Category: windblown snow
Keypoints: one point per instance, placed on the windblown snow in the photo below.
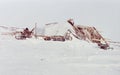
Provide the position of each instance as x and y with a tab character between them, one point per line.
39	57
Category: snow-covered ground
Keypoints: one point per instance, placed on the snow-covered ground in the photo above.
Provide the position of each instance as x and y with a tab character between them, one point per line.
39	57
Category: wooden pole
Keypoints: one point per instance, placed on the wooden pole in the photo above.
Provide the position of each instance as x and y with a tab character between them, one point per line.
101	37
35	30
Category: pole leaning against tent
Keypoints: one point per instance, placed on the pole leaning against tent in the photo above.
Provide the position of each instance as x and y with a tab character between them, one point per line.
72	24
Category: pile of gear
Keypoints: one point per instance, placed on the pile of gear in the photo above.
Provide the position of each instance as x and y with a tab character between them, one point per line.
26	33
89	34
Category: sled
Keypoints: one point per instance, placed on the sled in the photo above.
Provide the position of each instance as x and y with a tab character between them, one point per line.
19	36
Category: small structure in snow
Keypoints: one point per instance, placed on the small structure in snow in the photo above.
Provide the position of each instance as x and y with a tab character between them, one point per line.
89	34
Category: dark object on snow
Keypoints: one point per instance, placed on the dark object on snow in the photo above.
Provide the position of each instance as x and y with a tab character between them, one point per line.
26	33
47	38
20	36
103	46
58	38
54	38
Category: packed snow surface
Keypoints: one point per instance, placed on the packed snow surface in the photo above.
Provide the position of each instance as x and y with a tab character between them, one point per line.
39	57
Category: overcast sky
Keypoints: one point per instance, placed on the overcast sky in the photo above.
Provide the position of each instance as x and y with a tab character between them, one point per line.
103	14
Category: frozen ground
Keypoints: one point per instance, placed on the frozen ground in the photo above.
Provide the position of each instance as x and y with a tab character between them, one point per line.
39	57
